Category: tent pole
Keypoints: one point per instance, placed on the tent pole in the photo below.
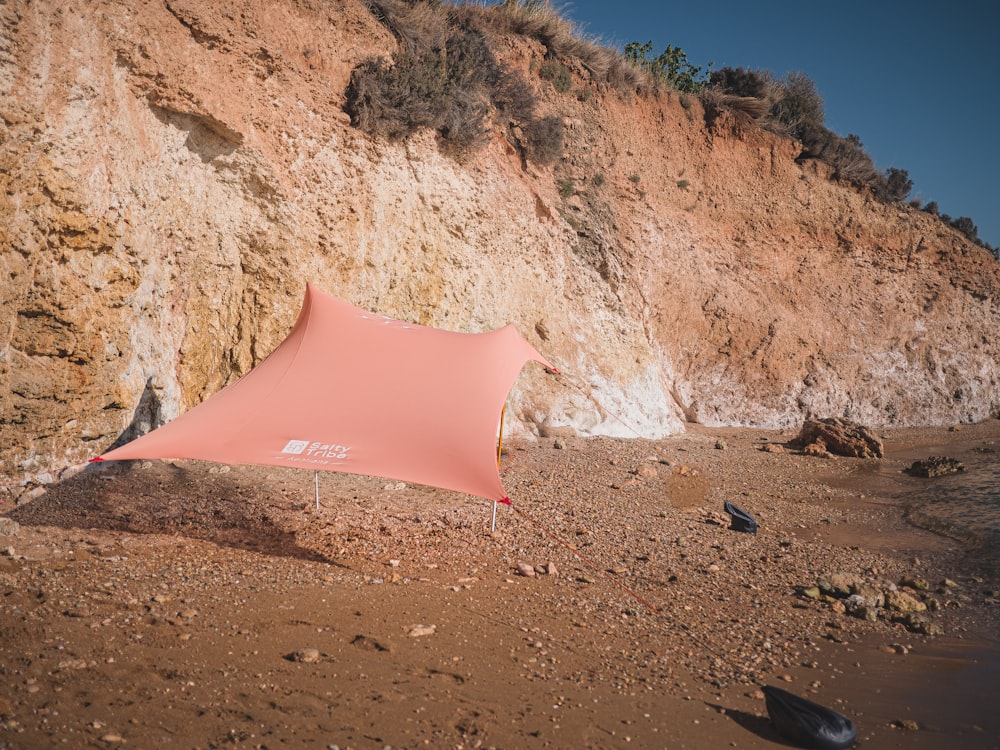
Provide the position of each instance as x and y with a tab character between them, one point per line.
493	523
316	482
500	437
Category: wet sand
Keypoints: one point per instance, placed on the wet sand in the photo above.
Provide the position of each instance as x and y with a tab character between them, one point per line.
184	604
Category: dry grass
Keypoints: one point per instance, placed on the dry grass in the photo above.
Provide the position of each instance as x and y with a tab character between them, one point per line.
747	109
445	76
544	22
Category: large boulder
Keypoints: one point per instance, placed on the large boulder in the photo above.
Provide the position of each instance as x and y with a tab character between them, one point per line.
840	437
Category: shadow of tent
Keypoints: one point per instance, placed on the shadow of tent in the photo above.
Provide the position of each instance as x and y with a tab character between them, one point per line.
146	417
758	725
163	498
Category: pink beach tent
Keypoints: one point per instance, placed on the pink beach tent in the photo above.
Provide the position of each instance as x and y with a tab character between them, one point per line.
355	392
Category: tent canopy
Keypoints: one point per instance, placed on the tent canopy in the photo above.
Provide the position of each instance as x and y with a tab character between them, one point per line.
356	392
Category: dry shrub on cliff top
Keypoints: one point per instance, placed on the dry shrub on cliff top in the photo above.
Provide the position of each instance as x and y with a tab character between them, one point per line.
418	26
746	109
609	66
542	21
536	19
444	76
846	155
740	82
792	106
797	106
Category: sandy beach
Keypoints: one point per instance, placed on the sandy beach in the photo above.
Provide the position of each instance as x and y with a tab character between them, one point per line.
191	605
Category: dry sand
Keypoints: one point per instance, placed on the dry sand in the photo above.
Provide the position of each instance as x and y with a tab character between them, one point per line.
188	605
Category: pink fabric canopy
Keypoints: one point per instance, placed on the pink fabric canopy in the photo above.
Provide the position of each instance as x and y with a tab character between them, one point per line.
356	392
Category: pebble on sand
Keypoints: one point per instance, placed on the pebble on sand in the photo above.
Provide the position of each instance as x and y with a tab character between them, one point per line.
305	655
418	631
525	569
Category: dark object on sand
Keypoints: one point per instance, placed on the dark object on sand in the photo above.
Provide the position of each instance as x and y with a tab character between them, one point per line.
742	521
808	724
935	466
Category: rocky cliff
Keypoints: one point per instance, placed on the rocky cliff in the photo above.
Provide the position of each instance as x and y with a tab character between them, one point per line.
174	171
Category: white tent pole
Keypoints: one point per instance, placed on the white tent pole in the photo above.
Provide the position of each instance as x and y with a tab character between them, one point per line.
493	525
316	481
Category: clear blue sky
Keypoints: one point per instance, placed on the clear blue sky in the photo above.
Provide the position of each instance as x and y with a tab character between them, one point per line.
917	81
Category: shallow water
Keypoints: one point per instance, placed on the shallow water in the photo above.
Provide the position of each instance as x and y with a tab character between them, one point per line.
964	505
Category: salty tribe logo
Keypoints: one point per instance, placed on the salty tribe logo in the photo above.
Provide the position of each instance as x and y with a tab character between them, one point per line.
384	321
313	451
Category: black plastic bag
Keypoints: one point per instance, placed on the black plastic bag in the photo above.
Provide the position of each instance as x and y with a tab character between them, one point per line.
806	723
741	520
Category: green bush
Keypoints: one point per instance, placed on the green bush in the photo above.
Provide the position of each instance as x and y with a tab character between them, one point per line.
670	67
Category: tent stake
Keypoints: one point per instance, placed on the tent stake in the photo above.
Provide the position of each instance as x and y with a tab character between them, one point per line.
493	525
316	481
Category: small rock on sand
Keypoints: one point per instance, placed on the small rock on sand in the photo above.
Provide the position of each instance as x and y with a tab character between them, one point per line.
525	569
305	655
418	631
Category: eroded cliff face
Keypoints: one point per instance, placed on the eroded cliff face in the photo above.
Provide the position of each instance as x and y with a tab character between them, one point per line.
174	171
